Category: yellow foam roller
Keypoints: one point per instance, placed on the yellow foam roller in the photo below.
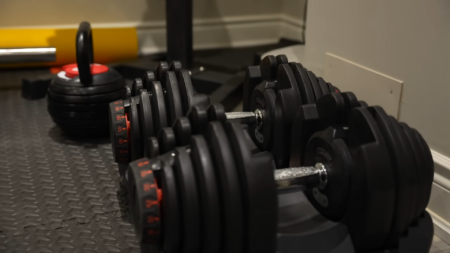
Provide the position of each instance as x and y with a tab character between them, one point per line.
110	44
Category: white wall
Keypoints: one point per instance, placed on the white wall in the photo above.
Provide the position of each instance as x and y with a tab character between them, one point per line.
294	8
57	12
406	40
217	23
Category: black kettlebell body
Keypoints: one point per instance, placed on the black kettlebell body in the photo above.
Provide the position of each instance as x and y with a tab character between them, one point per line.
79	95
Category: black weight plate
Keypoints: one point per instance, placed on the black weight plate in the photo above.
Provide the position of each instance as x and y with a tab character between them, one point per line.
151	147
160	72
210	207
198	118
182	131
258	192
144	201
304	85
200	99
287	103
305	124
372	191
323	86
268	67
148	79
145	117
404	200
229	188
126	103
428	171
263	99
251	80
158	107
350	102
420	164
363	104
412	167
87	90
282	59
136	87
77	107
336	89
189	96
332	109
170	210
216	112
188	195
175	66
172	98
186	90
333	89
166	140
323	147
118	132
79	122
102	98
77	115
126	92
315	85
330	87
425	149
135	134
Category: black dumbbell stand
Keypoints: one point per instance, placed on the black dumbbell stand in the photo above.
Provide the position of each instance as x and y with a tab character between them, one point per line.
303	229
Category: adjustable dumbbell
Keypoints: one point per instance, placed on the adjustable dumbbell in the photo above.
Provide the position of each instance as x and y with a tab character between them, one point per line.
162	101
78	96
148	105
275	83
263	130
348	173
400	161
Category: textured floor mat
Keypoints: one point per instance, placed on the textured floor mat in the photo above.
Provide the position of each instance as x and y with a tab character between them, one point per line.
57	194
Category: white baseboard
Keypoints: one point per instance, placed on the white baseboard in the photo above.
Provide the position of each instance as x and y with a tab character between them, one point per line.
225	32
292	28
441	227
439	204
442	165
239	31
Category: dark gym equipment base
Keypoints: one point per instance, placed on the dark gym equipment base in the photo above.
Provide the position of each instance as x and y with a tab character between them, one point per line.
58	194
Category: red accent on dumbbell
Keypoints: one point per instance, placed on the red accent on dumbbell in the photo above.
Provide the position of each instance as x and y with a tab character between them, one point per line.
128	129
72	69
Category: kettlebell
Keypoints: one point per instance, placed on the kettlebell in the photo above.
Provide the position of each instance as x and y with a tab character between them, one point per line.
79	95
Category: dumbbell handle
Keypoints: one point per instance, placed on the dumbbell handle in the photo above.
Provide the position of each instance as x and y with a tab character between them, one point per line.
308	177
240	115
250	117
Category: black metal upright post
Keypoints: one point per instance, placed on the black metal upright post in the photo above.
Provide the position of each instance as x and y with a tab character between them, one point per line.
179	31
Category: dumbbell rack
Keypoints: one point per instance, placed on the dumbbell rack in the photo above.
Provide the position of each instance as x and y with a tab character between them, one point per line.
59	194
318	234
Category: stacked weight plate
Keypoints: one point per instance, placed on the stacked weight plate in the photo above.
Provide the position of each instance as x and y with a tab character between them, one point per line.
169	95
278	88
218	175
83	109
151	104
203	167
215	194
390	167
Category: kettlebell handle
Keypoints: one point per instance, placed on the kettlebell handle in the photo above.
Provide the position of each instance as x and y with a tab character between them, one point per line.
85	53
